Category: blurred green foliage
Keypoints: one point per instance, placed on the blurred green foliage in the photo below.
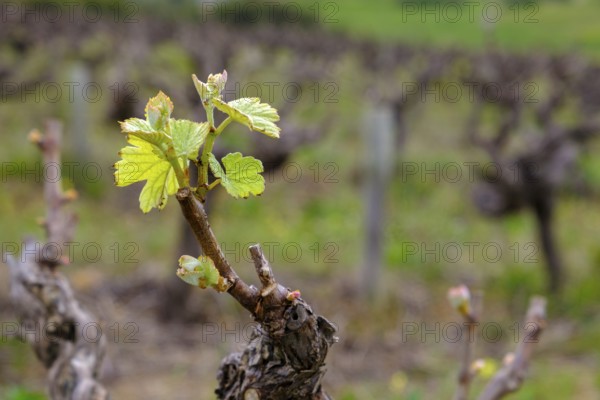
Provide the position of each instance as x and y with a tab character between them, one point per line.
19	393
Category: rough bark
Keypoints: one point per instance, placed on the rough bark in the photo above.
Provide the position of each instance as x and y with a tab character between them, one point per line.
45	302
285	357
64	339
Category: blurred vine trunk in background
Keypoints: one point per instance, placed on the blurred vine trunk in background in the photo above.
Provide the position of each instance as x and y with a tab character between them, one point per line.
43	298
544	212
379	132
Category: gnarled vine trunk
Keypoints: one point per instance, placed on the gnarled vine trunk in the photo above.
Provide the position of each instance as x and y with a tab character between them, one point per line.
45	302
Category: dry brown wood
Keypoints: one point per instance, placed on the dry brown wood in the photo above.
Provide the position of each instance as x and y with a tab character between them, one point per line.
285	357
511	376
45	302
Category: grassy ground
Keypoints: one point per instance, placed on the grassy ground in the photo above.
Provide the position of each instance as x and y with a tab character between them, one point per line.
554	26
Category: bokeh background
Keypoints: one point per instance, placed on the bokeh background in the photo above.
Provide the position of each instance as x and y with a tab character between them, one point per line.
392	114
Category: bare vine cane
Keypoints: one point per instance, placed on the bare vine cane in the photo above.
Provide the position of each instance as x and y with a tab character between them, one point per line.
511	376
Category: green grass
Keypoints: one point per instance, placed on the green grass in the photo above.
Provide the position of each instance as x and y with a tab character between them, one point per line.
19	393
550	26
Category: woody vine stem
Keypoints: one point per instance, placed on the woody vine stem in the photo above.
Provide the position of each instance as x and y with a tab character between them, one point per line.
291	340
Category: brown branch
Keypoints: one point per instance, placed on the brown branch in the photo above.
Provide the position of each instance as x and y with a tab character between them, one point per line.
45	302
510	119
466	374
247	296
194	213
511	376
263	270
59	223
285	357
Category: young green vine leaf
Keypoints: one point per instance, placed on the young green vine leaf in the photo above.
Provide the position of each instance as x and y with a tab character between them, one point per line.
140	162
249	111
160	146
188	136
241	177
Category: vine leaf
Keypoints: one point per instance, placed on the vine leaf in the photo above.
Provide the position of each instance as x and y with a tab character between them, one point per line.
199	272
187	137
140	162
249	111
143	130
241	177
160	146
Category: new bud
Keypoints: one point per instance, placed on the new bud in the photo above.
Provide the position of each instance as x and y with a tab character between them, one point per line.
508	359
293	295
213	87
35	136
460	299
477	366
